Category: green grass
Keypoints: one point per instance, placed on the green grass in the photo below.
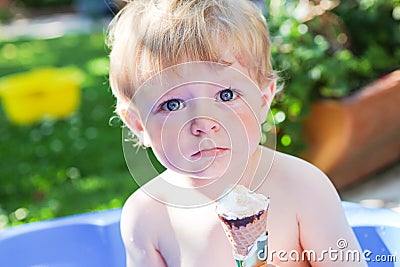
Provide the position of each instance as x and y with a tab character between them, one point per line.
69	166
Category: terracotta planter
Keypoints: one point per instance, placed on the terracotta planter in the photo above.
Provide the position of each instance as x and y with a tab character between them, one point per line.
356	136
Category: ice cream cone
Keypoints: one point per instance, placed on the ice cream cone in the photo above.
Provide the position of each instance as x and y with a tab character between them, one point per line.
243	215
242	233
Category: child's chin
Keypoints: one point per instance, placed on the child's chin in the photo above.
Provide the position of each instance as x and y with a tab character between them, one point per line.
203	175
211	172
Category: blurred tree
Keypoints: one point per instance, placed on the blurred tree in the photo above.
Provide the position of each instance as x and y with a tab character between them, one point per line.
43	3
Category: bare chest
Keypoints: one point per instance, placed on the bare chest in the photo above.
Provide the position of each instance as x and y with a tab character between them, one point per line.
201	240
200	237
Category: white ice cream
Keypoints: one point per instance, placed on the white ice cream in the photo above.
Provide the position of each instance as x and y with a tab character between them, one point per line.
240	202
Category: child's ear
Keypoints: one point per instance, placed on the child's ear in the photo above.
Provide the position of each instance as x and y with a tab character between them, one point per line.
132	119
268	92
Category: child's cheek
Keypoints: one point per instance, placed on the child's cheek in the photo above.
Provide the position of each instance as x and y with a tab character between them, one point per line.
249	121
165	133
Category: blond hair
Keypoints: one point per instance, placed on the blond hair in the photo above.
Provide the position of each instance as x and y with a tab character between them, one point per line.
147	36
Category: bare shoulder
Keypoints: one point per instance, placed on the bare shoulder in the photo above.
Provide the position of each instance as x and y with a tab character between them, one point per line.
140	229
139	212
306	192
300	176
294	180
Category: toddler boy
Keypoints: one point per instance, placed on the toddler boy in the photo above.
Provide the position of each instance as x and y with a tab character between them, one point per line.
193	81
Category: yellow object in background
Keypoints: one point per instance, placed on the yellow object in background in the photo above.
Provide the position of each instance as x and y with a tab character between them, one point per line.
41	93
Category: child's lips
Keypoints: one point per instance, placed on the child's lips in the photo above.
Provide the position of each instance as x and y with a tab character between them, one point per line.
210	153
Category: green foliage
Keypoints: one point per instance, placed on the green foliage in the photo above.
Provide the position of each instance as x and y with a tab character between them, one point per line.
330	56
56	168
43	3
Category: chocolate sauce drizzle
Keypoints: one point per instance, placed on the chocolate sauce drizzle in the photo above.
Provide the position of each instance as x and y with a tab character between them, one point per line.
243	221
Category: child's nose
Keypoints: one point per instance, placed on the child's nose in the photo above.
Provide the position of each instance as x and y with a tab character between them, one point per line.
201	126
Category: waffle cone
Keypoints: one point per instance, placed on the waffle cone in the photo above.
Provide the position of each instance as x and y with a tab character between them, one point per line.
242	233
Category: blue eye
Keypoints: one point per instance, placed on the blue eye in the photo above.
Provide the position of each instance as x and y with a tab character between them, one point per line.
172	105
227	95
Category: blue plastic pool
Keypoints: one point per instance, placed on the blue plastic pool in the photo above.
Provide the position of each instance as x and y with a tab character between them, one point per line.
93	239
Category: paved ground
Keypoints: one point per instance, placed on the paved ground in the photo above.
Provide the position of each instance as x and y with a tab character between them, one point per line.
379	190
51	26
